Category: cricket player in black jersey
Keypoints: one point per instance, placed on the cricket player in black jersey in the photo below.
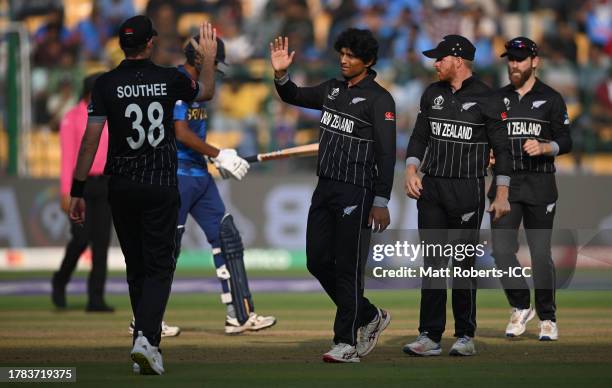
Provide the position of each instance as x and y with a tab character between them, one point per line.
459	121
355	168
137	99
538	130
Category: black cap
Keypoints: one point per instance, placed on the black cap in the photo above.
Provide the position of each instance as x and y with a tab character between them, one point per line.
190	51
136	31
520	48
455	45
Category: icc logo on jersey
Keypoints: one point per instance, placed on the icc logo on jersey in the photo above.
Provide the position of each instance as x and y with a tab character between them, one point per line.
334	93
438	101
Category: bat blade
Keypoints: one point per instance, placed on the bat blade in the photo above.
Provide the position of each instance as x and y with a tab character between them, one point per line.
292	152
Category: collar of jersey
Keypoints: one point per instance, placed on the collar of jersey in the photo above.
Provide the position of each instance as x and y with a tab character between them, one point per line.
364	82
135	62
464	85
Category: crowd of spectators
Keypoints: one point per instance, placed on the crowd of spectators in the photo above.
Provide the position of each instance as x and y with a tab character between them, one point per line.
575	39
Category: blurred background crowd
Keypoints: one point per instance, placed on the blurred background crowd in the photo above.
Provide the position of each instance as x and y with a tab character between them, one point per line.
72	38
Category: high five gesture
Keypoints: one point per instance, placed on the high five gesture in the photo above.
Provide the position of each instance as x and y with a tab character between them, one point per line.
280	57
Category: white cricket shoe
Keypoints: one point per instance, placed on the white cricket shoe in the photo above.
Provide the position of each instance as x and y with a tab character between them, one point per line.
254	323
147	356
136	368
368	334
518	321
342	353
548	331
423	346
166	331
464	346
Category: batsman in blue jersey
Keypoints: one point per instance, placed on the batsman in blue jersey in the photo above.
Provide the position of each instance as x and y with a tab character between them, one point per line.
200	197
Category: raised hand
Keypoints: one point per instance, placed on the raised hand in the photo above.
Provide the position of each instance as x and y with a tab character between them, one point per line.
207	46
280	57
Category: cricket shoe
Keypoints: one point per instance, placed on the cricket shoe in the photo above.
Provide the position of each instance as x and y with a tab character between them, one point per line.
518	321
254	323
342	353
166	331
423	346
368	334
464	346
548	331
147	356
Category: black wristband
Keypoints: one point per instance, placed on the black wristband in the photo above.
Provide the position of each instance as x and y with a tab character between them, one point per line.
78	187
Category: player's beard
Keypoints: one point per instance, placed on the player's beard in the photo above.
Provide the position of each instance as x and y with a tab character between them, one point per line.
518	78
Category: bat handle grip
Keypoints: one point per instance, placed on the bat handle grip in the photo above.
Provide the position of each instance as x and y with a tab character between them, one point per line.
251	159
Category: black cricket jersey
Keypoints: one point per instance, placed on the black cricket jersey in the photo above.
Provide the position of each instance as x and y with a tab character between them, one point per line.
455	131
137	99
357	137
539	114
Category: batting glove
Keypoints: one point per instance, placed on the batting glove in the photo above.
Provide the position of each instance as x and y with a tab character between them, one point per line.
230	165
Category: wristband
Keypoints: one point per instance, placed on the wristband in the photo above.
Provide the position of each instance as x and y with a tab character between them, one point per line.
78	187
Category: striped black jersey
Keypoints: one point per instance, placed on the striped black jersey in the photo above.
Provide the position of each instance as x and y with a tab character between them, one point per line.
137	99
454	132
357	137
540	114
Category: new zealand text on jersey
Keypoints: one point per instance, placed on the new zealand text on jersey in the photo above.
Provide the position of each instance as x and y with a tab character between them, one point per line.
518	128
337	122
454	131
144	90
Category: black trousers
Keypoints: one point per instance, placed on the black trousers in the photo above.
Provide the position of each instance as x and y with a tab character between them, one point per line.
145	218
95	232
450	211
538	222
337	242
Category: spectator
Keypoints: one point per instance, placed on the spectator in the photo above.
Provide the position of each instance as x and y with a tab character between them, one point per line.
114	12
92	34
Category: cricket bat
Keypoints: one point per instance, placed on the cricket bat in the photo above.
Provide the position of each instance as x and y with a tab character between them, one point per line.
305	150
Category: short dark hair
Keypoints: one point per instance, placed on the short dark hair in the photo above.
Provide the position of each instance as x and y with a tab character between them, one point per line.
361	42
134	51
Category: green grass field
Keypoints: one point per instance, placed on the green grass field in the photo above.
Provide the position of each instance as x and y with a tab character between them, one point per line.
33	334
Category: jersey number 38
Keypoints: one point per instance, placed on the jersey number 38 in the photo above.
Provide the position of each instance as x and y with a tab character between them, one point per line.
155	114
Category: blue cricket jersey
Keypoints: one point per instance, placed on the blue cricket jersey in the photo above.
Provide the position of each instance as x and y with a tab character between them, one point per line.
191	162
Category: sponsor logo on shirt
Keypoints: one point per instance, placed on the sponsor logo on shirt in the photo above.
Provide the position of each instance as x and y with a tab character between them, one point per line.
357	99
537	104
437	102
504	115
389	116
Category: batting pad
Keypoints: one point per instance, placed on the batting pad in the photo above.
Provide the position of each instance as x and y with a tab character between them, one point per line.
233	250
